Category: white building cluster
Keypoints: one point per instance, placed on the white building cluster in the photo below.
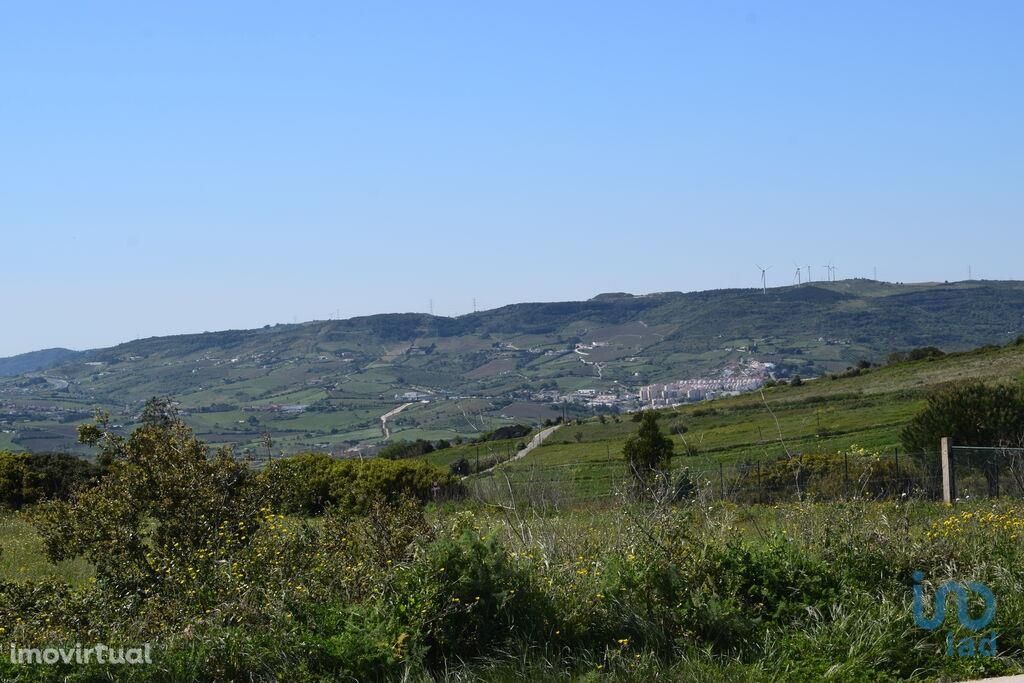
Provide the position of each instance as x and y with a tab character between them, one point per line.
748	376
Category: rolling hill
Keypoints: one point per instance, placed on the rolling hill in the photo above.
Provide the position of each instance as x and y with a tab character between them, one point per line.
862	408
35	361
325	384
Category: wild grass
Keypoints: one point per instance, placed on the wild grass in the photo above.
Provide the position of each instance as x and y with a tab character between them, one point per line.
22	558
634	593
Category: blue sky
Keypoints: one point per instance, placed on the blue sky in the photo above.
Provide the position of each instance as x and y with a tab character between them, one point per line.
180	167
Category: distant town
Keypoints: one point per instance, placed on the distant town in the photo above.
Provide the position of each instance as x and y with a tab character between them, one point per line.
746	375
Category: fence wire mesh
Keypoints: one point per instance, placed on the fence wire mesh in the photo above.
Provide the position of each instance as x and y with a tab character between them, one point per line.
988	471
809	477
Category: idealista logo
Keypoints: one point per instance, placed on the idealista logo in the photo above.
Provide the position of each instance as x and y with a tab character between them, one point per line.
984	645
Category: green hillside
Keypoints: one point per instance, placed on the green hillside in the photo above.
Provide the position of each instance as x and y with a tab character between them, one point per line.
324	385
35	361
826	415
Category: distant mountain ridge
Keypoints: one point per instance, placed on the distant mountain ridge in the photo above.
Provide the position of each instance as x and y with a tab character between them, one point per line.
325	384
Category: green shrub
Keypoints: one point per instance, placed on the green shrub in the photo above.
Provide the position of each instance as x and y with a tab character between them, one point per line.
300	484
972	413
15	480
405	449
164	509
773	581
368	646
355	484
466	596
308	484
27	478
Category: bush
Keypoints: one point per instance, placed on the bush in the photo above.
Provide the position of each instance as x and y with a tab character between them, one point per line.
405	449
466	596
647	452
308	484
506	433
924	353
971	413
15	480
366	647
58	475
301	484
774	581
29	478
355	484
163	506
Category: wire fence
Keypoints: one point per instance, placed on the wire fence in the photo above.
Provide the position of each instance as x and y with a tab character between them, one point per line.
803	477
988	471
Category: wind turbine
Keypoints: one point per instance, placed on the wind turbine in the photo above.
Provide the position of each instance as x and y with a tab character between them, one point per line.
809	279
764	282
797	276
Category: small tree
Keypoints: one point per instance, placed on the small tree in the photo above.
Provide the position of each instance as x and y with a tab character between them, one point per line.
648	452
164	504
971	413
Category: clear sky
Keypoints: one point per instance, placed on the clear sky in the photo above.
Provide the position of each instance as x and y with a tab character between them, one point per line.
190	166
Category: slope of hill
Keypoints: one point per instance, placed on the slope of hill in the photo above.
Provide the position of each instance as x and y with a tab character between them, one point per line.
35	361
827	415
325	384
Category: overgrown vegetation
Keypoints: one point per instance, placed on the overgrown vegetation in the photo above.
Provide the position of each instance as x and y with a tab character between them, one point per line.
321	569
227	589
405	449
971	413
29	478
310	484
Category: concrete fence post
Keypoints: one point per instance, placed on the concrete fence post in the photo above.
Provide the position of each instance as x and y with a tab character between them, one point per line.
948	476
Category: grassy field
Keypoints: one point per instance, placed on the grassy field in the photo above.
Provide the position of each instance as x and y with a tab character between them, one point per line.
484	452
821	416
22	558
759	593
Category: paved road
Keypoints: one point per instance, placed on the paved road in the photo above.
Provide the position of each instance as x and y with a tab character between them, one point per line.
537	440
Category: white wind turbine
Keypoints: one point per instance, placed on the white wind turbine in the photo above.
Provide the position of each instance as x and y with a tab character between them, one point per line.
764	281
